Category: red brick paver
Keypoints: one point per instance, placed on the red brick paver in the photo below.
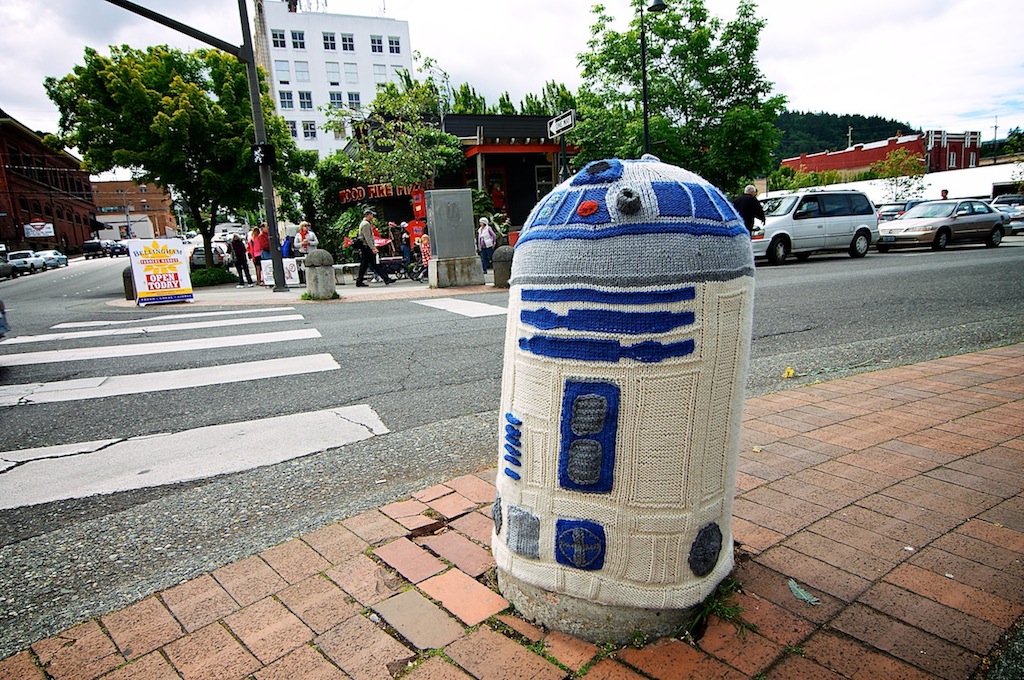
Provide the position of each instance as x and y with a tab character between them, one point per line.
895	497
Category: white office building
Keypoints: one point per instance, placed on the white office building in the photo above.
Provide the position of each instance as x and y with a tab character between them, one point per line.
317	60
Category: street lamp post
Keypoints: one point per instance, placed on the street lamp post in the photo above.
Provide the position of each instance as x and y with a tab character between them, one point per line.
655	7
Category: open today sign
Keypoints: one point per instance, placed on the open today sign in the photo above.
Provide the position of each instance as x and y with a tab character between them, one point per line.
160	271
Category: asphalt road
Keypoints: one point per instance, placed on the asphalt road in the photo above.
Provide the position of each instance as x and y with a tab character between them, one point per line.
432	377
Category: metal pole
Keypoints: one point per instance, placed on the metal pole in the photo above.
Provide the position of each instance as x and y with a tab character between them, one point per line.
643	76
247	56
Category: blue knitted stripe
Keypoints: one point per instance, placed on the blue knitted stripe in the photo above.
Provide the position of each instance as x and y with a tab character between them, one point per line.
604	350
557	233
632	297
607	321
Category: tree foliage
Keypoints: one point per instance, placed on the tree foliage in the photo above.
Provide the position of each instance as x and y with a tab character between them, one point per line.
398	135
806	132
181	120
903	173
711	109
554	99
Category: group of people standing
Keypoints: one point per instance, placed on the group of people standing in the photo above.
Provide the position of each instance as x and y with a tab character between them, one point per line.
257	249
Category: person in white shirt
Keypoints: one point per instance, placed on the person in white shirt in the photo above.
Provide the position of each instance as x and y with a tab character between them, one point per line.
305	240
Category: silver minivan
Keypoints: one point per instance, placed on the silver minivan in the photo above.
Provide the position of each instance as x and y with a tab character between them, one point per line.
810	221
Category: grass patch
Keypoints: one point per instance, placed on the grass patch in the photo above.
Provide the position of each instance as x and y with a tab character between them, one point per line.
721	604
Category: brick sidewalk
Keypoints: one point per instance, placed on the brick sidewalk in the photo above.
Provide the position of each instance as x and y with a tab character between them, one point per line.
895	497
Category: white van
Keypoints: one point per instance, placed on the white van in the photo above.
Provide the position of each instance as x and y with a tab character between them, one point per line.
810	221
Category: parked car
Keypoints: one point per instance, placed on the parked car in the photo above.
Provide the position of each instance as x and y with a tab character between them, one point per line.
115	248
94	248
811	221
1012	205
54	258
7	270
198	257
890	211
26	261
939	223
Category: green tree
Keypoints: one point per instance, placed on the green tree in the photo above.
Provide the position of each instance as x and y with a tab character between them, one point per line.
466	100
553	100
711	109
505	106
180	120
903	173
1014	141
398	135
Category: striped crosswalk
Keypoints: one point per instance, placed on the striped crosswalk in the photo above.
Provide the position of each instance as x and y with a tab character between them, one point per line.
70	352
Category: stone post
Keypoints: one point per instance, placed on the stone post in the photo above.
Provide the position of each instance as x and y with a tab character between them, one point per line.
502	265
320	275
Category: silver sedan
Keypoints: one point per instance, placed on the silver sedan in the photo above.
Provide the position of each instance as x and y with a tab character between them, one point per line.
939	223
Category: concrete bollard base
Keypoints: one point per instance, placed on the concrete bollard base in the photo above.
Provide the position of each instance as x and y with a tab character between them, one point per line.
588	620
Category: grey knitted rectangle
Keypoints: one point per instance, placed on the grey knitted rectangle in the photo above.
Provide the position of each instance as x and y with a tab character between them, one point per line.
523	531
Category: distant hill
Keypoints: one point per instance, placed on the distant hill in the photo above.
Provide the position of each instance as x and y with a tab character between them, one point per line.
813	132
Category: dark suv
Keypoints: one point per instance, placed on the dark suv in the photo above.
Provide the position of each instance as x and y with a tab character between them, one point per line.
94	248
115	248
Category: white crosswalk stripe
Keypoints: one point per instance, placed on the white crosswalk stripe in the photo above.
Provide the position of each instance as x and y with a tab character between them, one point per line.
78	469
110	351
464	307
146	330
111	386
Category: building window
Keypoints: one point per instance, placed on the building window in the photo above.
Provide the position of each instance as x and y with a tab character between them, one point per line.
380	73
351	73
337	101
377	44
277	36
292	128
353	101
397	72
329	41
973	160
952	160
286	100
333	72
299	40
302	71
348	42
394	44
283	70
305	100
339	133
309	129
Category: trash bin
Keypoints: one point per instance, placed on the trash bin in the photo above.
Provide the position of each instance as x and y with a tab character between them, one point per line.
501	263
129	284
621	401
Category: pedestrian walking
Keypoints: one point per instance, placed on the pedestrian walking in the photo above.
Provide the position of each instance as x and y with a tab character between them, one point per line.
485	240
241	261
368	252
749	207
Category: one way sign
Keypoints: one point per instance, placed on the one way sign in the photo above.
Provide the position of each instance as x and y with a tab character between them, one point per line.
563	122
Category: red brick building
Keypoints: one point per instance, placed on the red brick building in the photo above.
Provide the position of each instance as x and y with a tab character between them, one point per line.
43	188
136	202
942	151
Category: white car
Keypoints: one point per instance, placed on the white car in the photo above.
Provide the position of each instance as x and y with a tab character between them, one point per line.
812	221
26	261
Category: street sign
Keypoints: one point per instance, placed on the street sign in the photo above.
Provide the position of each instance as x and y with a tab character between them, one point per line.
563	122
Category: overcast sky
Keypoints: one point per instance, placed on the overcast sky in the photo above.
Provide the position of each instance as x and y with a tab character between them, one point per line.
954	65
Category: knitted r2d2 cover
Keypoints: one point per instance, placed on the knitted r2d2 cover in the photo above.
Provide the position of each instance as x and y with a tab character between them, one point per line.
625	362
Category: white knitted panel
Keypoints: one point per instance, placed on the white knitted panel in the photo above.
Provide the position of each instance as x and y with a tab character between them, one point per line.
675	458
